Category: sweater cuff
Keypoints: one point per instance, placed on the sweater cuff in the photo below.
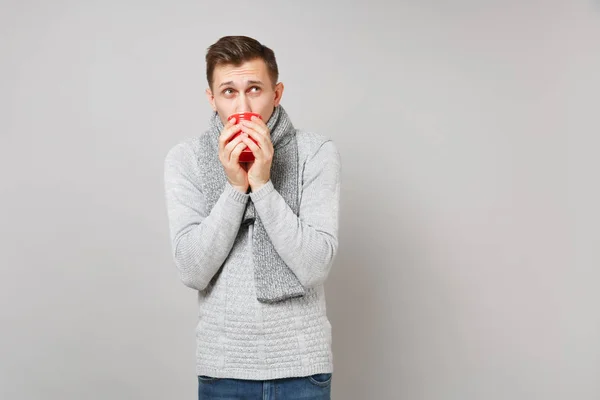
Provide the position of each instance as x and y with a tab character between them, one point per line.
235	194
262	192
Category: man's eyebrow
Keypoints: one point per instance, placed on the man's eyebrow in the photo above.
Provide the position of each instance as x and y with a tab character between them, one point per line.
250	82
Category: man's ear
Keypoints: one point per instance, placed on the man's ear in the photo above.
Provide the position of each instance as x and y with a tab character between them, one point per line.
278	93
211	99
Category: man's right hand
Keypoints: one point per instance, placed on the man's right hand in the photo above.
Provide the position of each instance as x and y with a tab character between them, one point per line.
229	154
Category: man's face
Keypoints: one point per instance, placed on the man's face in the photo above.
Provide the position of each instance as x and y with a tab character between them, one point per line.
244	88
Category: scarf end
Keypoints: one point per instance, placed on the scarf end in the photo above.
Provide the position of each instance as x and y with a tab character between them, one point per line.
272	299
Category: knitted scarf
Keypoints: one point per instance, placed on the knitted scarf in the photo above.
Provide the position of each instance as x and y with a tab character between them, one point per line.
273	279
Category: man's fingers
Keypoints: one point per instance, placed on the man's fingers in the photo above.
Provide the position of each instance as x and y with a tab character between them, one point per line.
232	144
227	134
250	144
237	150
260	128
261	140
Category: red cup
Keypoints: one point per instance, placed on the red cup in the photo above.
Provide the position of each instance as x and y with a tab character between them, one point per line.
246	155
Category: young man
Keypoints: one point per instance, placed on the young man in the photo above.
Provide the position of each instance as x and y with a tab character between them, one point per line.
255	239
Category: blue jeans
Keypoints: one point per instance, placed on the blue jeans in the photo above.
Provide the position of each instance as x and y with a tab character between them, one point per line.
314	387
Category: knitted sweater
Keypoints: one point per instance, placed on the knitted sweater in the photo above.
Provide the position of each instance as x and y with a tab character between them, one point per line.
237	336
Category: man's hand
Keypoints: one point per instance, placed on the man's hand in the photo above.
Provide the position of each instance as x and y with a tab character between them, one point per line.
229	154
259	171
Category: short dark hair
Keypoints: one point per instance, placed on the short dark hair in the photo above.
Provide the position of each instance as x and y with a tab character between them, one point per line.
237	50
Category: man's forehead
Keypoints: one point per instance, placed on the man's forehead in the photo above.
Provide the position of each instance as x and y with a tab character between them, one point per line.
248	71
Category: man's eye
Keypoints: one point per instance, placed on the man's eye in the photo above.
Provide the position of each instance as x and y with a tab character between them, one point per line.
228	91
254	89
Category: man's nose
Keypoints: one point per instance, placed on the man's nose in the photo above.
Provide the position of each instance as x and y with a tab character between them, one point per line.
243	104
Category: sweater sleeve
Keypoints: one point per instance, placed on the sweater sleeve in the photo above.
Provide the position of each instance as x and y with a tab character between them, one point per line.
307	243
200	242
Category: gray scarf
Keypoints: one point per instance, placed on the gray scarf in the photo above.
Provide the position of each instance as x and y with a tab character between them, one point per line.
274	280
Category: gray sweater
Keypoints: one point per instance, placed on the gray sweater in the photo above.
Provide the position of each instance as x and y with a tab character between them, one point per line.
238	336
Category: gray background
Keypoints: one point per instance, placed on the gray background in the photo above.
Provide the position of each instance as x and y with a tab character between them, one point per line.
468	264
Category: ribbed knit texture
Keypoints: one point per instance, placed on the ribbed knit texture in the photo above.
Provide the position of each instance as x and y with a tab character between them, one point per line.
238	336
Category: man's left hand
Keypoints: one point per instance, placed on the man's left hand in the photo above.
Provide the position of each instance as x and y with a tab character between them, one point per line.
259	171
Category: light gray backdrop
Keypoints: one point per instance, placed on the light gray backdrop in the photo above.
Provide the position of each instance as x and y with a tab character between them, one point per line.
468	264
